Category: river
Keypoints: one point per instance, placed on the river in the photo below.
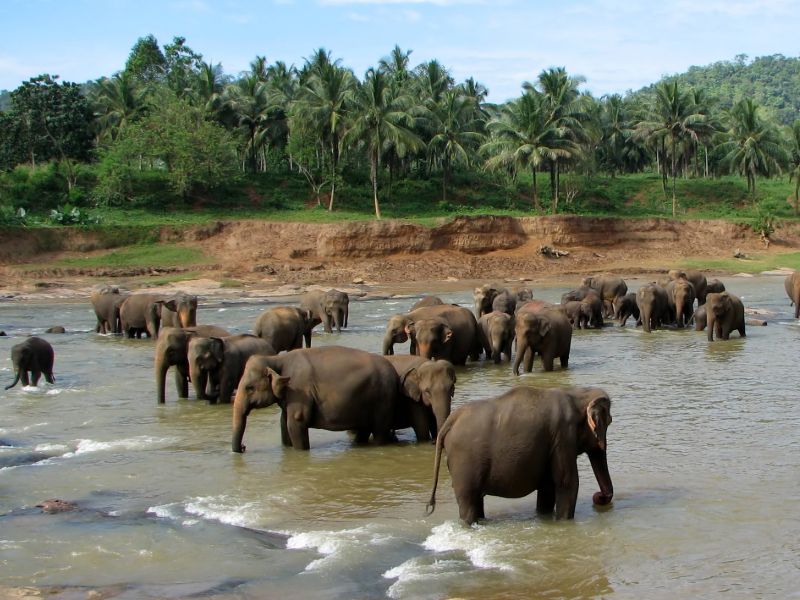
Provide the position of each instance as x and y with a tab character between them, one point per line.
702	453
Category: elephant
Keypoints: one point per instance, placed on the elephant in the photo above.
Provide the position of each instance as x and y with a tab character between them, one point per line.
172	350
447	331
525	440
546	332
578	314
218	363
56	329
34	356
532	306
428	387
142	313
680	297
496	335
331	307
180	311
333	387
699	318
724	313
653	306
578	294
284	327
592	307
106	301
696	278
792	285
484	296
714	286
624	307
523	294
427	301
609	287
505	302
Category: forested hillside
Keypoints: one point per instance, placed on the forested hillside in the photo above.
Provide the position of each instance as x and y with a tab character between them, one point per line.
772	81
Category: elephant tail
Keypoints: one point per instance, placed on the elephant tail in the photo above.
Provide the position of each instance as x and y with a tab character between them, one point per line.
431	506
16	379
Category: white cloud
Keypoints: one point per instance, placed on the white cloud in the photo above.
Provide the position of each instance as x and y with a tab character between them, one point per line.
358	17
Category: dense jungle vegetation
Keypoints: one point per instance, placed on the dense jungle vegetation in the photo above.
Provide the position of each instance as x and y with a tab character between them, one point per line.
172	138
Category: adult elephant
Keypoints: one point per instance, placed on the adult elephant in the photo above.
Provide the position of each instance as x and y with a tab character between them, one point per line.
172	350
653	306
523	441
284	327
505	302
31	359
484	296
609	287
106	301
680	297
333	387
546	332
447	331
330	308
427	301
699	318
724	313
696	278
624	307
523	294
496	335
218	363
428	387
141	314
714	286
578	294
792	285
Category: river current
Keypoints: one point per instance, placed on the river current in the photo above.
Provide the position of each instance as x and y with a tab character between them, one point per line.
703	453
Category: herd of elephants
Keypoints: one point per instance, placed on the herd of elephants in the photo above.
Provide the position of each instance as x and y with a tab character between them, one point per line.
522	441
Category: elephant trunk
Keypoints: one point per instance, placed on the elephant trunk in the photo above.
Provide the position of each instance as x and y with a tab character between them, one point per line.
240	412
600	467
679	308
645	312
497	347
199	379
522	347
388	344
338	320
425	350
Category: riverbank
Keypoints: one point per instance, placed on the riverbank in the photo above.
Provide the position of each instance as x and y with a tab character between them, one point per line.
252	258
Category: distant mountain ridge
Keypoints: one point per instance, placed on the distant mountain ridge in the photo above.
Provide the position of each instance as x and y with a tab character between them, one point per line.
772	81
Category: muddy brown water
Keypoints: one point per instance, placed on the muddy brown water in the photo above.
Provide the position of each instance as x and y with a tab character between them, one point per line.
702	452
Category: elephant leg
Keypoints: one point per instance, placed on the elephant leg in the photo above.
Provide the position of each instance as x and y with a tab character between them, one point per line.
307	336
547	361
564	360
23	377
529	356
362	436
327	324
470	506
741	329
565	474
546	496
296	423
182	381
35	376
413	347
419	420
285	439
298	341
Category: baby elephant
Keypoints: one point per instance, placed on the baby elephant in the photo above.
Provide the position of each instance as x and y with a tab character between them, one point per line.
36	356
525	440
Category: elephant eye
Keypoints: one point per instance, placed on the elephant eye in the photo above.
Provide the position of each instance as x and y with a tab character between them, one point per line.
249	389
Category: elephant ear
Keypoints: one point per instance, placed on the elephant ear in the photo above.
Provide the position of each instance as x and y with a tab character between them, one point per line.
170	304
544	327
410	383
598	416
217	346
278	382
409	328
447	334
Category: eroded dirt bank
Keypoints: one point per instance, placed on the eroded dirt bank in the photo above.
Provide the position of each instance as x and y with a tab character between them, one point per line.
271	253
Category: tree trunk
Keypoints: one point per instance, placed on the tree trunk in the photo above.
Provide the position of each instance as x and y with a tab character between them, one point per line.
374	174
535	192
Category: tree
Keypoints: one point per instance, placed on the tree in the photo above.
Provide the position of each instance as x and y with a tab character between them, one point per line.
54	122
380	119
182	64
673	120
754	146
146	63
456	129
522	138
207	88
794	162
117	101
175	139
324	101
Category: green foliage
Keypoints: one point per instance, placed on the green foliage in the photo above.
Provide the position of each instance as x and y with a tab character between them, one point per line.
156	255
146	62
71	215
11	217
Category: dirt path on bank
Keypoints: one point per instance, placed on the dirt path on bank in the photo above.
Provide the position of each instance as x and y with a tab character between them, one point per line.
265	258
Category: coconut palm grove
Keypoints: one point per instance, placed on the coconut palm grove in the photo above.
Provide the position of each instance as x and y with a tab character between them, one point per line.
400	140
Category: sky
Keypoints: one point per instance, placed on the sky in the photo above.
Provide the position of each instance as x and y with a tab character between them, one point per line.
615	45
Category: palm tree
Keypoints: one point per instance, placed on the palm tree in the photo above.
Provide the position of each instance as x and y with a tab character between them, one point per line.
794	162
208	87
455	129
673	120
248	103
117	101
324	102
522	138
396	64
754	146
380	118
